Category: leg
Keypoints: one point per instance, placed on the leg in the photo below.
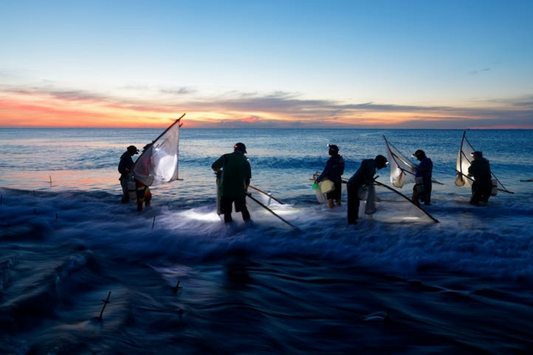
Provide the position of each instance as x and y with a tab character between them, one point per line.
240	206
125	192
487	191
428	189
353	204
141	190
227	217
337	193
245	214
227	206
147	197
476	194
414	198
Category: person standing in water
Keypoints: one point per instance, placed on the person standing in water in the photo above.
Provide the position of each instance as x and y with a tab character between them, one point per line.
423	174
124	168
236	174
482	185
363	176
144	194
333	171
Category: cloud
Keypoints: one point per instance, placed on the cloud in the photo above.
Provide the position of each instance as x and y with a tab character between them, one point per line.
178	91
475	72
155	89
278	109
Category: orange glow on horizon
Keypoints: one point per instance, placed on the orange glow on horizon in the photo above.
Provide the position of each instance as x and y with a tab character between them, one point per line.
45	110
23	110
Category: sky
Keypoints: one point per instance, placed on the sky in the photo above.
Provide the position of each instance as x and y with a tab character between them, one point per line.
454	64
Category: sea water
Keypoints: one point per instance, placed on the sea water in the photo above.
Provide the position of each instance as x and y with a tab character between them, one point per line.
296	280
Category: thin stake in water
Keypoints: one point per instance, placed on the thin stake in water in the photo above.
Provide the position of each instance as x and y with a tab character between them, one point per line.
50	176
105	304
153	223
177	287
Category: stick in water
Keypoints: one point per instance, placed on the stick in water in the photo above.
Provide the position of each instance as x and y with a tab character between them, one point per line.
269	210
177	287
105	304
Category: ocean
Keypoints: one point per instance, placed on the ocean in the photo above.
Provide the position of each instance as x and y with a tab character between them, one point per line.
297	280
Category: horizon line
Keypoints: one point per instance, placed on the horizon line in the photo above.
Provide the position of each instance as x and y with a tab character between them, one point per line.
281	128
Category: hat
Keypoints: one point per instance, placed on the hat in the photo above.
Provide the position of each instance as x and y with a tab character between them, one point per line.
133	149
333	147
240	146
381	161
477	154
419	152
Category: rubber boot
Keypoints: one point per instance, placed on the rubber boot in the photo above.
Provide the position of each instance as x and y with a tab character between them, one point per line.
330	203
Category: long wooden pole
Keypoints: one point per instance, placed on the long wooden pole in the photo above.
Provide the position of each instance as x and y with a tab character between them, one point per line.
408	199
274	213
266	193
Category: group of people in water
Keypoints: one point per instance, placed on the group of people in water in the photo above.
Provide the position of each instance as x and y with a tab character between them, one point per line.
234	174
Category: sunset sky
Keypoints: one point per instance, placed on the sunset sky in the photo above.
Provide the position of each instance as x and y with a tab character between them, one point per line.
267	63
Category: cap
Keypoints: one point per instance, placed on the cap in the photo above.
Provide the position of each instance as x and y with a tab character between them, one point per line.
240	146
477	154
133	149
333	148
419	152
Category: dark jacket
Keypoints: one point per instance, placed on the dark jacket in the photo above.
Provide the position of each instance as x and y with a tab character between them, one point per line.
425	170
480	170
125	164
333	170
365	174
236	174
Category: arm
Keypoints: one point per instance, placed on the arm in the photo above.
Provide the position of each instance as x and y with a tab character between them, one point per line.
218	164
326	171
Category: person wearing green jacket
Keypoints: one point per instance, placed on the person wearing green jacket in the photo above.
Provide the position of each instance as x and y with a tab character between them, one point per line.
235	175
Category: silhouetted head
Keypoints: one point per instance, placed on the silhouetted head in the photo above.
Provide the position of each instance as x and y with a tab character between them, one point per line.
240	147
381	161
419	154
333	149
477	154
132	150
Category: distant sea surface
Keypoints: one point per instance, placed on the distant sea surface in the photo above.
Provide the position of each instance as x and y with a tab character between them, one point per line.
397	283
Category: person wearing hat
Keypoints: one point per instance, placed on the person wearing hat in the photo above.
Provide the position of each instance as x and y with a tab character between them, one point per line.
235	174
124	168
423	174
482	186
333	172
363	176
144	194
